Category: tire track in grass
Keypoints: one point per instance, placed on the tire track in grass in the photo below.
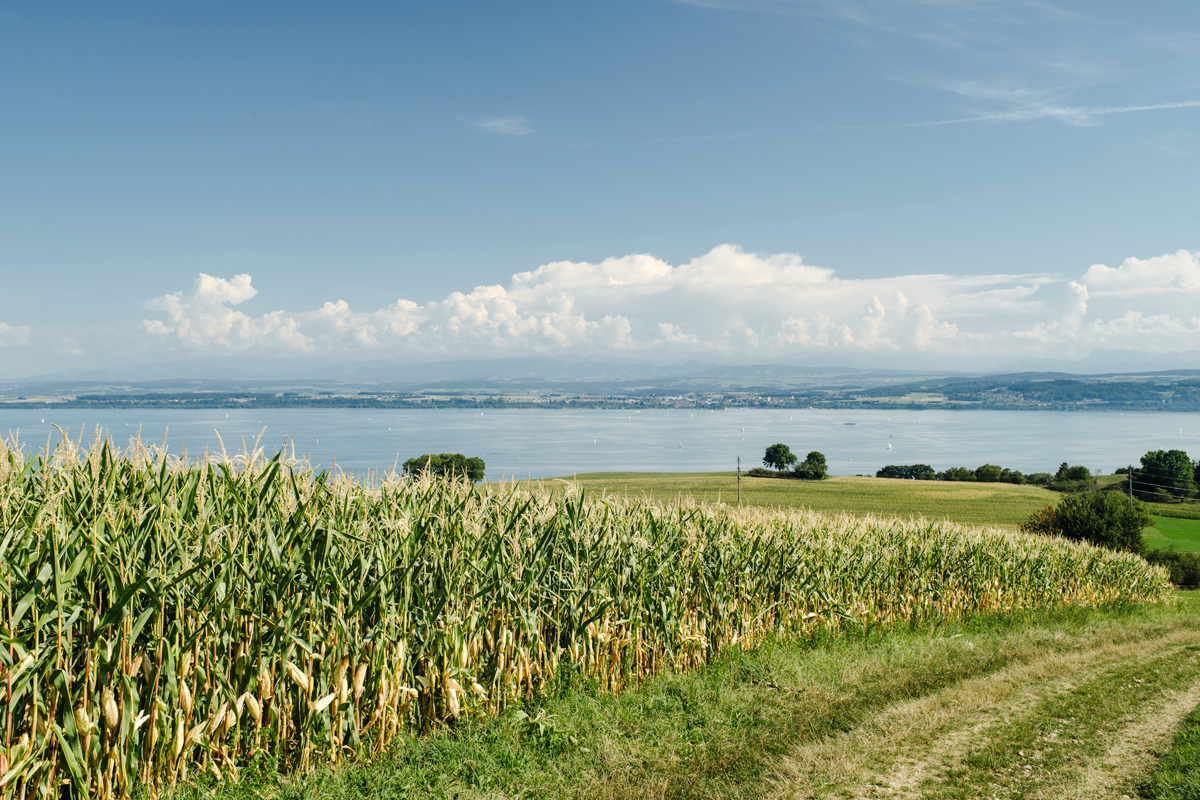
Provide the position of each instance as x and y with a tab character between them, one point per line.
1133	751
1048	750
911	748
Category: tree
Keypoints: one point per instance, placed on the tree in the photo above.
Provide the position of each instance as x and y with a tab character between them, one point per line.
957	474
1165	475
1106	519
988	473
1013	476
1077	472
1075	478
449	465
812	468
911	472
779	457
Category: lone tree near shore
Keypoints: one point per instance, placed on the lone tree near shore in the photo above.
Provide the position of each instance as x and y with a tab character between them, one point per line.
779	457
447	465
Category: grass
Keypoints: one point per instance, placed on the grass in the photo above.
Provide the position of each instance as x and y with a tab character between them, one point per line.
1178	774
725	729
1167	532
992	504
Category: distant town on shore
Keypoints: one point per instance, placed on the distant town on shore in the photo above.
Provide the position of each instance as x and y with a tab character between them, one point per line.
763	386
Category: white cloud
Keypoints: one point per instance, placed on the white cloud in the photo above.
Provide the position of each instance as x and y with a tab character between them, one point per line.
13	335
509	126
202	318
1172	272
726	301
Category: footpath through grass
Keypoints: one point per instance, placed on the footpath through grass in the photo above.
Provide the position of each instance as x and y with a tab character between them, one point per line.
1070	703
992	504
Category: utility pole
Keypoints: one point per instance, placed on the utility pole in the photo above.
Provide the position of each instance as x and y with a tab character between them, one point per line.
739	480
1130	473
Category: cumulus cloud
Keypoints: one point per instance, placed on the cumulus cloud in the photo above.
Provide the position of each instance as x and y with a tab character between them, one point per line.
1173	272
726	301
13	335
202	318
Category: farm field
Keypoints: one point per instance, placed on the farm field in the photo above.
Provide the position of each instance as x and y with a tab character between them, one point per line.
1070	704
169	620
1181	534
992	504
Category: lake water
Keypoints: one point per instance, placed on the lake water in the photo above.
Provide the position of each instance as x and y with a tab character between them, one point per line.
546	443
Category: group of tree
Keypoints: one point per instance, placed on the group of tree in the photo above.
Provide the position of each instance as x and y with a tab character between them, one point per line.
1166	476
984	473
780	458
1071	478
1068	477
909	472
446	465
1111	519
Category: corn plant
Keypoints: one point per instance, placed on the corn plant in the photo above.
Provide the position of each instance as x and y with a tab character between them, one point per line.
163	617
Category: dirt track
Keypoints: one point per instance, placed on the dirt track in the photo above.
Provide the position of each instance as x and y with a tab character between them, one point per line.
1086	723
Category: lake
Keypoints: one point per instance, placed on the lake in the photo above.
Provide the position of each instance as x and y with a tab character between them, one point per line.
544	443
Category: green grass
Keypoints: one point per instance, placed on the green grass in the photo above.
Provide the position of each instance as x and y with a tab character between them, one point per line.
993	504
1167	532
1178	773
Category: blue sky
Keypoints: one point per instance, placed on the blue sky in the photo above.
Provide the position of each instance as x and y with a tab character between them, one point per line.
911	181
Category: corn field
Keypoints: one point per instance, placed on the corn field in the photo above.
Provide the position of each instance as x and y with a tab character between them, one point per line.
162	617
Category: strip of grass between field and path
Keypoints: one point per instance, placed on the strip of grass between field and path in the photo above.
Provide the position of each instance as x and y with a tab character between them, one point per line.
884	705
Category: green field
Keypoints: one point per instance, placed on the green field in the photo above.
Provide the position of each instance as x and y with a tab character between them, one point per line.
1181	534
993	504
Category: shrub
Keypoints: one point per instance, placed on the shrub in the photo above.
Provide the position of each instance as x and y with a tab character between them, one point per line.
1184	567
1102	518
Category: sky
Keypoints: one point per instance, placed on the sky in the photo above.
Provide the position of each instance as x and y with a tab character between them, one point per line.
967	183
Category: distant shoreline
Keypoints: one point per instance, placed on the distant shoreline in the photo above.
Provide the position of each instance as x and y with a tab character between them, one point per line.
759	388
702	402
